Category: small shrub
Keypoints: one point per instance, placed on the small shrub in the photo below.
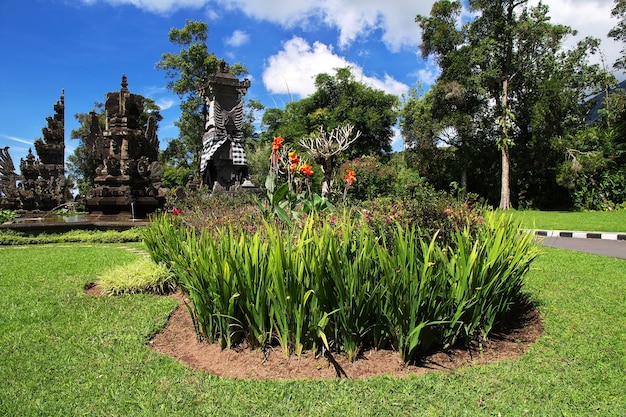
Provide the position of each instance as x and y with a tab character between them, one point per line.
7	216
203	209
141	276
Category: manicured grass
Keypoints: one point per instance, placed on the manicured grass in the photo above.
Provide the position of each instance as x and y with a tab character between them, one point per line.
68	353
588	221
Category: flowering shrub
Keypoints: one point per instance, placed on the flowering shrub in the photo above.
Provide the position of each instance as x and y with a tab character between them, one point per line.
202	209
375	179
292	198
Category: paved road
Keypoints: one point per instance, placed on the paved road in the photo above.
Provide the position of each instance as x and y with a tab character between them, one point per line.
613	248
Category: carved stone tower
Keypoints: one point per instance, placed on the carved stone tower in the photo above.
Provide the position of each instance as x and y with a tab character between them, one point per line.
223	164
128	176
44	179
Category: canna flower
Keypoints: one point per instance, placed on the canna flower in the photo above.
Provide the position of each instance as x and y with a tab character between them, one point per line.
306	170
350	176
176	211
293	161
277	143
293	158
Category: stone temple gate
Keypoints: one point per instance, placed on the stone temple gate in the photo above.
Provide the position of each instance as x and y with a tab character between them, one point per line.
41	185
128	177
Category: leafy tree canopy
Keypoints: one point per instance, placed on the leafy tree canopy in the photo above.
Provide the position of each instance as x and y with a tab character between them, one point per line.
339	100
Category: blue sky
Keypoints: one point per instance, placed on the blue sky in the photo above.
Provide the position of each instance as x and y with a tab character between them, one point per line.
85	46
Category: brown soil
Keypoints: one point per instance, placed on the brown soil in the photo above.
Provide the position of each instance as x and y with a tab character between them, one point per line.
179	341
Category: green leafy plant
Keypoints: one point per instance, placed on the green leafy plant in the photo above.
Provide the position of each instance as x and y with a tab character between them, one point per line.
292	198
7	215
335	283
141	276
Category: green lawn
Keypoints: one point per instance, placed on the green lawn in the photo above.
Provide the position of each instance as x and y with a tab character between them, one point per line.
589	221
68	353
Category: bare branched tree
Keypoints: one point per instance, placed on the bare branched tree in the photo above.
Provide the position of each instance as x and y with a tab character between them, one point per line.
325	148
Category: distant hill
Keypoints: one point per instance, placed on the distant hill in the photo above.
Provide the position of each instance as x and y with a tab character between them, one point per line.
594	114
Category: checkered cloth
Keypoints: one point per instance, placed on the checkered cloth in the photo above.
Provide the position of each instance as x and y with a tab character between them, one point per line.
212	141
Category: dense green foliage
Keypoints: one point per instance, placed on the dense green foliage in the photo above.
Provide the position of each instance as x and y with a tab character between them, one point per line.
7	215
338	100
506	84
337	284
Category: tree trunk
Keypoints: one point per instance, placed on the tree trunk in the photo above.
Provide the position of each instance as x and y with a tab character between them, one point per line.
505	191
464	183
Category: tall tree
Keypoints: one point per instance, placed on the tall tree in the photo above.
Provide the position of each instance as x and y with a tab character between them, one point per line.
619	31
510	63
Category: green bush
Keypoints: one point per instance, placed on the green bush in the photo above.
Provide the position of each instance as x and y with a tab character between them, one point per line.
141	276
373	179
338	284
7	216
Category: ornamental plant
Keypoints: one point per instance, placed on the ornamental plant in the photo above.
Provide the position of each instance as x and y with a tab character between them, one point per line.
293	197
338	286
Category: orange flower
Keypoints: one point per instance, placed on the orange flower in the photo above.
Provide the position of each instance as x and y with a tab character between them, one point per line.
293	167
293	158
350	176
306	170
277	143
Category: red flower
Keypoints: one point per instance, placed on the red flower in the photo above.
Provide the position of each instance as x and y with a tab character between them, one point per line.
306	170
176	211
350	176
277	143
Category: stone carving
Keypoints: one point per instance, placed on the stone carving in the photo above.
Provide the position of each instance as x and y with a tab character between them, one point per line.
128	176
42	183
223	164
9	197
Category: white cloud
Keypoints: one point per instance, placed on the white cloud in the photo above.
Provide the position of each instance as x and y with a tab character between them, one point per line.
393	19
238	38
428	75
294	68
16	139
156	6
165	103
589	18
397	141
352	18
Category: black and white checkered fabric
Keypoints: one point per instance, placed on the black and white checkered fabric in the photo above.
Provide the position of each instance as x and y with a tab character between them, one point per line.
212	142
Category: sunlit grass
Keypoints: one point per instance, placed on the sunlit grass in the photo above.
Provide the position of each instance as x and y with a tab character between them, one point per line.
589	221
68	353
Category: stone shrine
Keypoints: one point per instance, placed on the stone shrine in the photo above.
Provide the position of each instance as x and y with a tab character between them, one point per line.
9	196
42	183
128	177
223	164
